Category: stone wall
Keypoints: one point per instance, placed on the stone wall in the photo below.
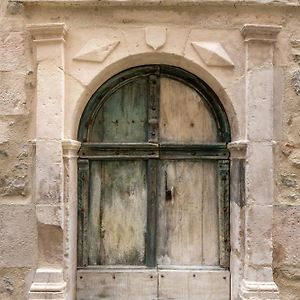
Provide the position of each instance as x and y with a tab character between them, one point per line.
37	186
18	245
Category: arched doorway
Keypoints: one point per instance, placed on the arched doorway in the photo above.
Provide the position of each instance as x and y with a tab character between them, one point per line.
153	189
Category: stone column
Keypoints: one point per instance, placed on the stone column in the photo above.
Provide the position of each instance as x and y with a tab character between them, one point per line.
48	42
259	180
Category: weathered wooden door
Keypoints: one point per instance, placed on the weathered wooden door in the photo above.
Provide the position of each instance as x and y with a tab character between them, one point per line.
153	190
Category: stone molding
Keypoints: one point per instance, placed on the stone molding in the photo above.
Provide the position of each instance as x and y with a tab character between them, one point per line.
255	289
238	149
275	3
258	32
48	32
48	281
70	148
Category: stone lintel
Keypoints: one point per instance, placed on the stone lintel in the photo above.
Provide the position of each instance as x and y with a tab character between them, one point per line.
258	32
48	32
238	149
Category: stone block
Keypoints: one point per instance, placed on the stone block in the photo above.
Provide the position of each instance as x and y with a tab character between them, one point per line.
12	93
259	106
18	247
12	48
258	235
15	283
259	174
286	235
49	172
50	101
15	156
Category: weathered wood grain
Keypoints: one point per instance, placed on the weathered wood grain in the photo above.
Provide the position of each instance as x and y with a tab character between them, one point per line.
117	285
118	210
184	117
194	285
123	117
187	231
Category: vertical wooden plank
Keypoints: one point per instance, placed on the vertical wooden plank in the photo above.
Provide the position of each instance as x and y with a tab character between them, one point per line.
210	214
184	116
123	209
83	198
224	212
94	230
153	108
151	213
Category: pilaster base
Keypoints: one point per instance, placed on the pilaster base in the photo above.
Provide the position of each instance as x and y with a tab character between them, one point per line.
48	284
255	290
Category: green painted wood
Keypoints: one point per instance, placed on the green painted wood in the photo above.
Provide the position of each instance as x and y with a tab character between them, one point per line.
121	79
83	198
153	108
224	212
152	174
118	213
123	116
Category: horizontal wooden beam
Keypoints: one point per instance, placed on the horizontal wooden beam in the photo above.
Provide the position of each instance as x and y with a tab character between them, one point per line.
147	150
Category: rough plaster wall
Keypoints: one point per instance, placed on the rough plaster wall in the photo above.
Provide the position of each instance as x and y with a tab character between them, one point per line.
18	245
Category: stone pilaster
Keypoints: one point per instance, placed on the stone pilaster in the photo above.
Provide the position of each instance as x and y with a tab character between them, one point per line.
70	150
259	180
48	42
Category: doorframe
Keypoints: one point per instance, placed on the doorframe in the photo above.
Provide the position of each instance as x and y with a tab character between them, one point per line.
218	149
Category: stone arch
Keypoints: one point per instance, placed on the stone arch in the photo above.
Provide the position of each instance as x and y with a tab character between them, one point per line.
156	58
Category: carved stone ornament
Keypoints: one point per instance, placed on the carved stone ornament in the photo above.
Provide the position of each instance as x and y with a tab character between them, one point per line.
213	54
155	36
96	50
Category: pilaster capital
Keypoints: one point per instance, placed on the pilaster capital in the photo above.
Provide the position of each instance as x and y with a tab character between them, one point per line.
238	149
70	148
258	32
48	32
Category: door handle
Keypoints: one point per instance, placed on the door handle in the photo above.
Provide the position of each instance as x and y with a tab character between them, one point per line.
169	191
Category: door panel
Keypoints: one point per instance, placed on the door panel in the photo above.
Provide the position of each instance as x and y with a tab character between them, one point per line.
184	116
117	284
194	285
123	118
117	213
187	231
